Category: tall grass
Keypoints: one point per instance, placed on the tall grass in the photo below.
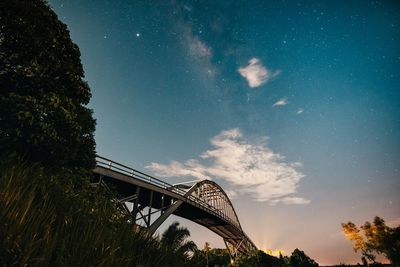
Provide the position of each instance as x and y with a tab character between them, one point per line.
53	220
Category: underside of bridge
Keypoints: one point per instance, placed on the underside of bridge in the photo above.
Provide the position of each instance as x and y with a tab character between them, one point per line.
150	201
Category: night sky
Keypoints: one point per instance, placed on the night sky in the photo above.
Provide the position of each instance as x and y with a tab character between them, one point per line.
292	107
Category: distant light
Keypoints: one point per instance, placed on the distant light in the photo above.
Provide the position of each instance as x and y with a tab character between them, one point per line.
275	253
137	34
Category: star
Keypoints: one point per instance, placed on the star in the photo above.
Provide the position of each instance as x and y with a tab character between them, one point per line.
137	34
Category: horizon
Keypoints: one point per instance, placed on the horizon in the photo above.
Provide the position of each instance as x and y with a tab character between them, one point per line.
292	107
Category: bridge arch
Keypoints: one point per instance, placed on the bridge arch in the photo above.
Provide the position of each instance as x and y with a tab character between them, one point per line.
151	201
212	194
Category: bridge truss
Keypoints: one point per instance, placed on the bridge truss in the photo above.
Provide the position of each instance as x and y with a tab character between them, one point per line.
150	201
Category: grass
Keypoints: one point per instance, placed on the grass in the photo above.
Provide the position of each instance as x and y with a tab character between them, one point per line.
53	220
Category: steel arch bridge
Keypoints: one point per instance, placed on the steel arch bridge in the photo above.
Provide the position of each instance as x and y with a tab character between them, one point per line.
151	201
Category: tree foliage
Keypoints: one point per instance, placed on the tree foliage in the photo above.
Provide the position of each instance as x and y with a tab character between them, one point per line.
43	97
174	241
220	257
300	259
217	257
375	238
257	258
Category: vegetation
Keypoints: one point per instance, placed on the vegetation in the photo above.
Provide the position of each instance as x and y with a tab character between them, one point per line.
255	259
211	257
43	97
174	242
300	259
48	220
220	258
375	238
50	213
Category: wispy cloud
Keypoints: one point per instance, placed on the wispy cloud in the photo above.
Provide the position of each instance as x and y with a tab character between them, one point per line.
290	200
250	168
299	111
256	74
281	102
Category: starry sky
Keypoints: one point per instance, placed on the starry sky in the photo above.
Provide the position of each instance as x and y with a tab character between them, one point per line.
293	107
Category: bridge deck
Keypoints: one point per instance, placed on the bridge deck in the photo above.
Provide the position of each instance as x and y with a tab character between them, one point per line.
157	194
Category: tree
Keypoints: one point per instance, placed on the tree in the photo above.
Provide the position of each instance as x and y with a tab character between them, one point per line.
256	258
218	257
284	260
43	97
300	259
174	241
206	250
375	238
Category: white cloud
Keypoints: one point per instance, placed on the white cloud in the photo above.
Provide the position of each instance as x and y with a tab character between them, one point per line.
290	200
256	74
176	169
249	168
281	102
299	111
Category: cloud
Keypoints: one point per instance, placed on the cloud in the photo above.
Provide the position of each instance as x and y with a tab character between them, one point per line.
177	169
256	74
231	193
290	200
299	111
250	168
281	102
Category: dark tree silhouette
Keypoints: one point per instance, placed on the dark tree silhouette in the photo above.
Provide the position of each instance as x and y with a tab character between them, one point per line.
174	241
300	259
43	97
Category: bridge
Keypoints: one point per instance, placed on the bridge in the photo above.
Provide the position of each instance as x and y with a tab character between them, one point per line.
150	201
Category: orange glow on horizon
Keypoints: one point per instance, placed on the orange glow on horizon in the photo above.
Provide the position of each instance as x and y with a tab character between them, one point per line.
274	253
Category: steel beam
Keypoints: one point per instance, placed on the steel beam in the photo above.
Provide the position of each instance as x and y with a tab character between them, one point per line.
169	211
205	198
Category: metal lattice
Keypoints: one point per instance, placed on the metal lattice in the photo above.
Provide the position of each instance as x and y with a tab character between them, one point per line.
150	201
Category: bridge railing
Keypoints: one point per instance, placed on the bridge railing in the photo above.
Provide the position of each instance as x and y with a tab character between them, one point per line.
123	169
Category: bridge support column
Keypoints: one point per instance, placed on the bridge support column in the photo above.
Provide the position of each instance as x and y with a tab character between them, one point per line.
169	211
150	205
136	205
233	250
